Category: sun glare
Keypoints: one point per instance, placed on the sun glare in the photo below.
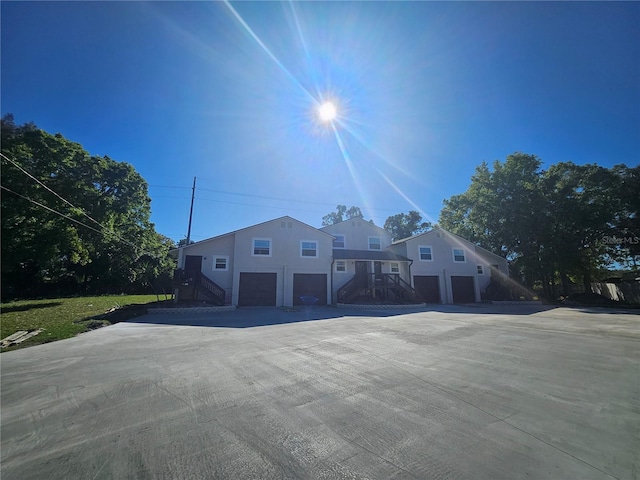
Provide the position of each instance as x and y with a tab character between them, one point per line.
327	112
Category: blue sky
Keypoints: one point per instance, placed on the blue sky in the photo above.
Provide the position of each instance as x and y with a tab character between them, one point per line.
425	92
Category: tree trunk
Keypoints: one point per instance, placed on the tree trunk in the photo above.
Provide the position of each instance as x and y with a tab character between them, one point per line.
566	284
586	280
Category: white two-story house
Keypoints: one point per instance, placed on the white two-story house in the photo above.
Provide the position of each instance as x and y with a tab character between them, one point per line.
285	262
274	263
364	266
449	269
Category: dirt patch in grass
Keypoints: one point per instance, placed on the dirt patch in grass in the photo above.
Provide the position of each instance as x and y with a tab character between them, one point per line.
119	314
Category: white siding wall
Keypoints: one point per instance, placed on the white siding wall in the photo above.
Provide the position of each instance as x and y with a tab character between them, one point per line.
357	233
285	259
488	261
340	278
209	249
443	265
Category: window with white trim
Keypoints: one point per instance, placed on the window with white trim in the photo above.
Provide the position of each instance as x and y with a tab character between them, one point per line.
480	270
309	248
338	241
426	253
395	267
375	243
261	247
341	266
220	263
458	255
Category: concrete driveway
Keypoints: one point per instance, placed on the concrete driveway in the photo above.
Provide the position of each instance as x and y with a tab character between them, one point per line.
447	393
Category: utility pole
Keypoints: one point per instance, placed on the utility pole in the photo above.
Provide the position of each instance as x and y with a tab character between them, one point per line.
193	194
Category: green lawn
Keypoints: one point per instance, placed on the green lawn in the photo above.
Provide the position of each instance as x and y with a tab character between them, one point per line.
66	317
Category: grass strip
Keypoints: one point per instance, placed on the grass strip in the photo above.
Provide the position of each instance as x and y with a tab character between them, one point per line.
66	317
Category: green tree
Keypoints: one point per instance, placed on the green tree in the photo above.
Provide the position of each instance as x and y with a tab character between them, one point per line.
102	229
579	208
499	210
341	214
183	242
403	225
550	224
623	242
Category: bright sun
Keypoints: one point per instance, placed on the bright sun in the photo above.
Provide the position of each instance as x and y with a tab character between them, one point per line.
327	112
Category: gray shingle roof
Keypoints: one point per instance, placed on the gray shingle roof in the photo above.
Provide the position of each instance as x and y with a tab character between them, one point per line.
342	254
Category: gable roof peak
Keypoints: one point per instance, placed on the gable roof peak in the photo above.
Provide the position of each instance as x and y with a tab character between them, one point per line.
449	234
367	222
277	219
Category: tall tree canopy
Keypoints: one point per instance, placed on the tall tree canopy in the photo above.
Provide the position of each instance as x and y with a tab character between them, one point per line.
553	225
104	242
341	214
403	225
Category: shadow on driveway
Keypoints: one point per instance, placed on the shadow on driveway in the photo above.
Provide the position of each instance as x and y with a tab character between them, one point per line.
246	317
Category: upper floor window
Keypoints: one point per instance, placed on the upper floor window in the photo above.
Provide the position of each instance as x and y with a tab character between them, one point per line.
338	241
426	253
341	266
480	270
375	243
395	267
458	255
308	248
262	247
221	262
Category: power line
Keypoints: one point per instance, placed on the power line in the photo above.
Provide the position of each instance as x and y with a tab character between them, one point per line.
68	217
119	237
104	228
266	197
50	209
170	186
50	190
284	207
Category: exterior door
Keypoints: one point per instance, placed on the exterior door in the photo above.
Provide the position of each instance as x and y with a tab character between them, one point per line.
377	270
427	288
361	272
193	264
257	289
462	289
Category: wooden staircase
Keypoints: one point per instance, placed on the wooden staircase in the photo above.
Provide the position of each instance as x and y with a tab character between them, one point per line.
385	287
197	286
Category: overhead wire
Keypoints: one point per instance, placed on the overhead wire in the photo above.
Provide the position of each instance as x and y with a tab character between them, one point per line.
104	228
266	197
119	237
68	217
49	189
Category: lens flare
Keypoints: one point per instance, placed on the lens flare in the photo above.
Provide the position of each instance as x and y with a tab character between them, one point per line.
327	112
